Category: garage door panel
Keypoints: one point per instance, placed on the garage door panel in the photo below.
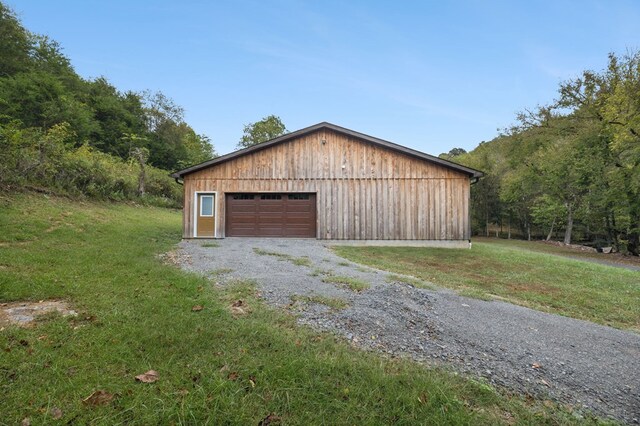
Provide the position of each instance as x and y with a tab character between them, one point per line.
269	232
244	206
297	221
271	215
266	209
241	209
242	232
247	221
269	221
293	208
299	233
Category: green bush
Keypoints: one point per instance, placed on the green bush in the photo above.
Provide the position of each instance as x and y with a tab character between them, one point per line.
31	158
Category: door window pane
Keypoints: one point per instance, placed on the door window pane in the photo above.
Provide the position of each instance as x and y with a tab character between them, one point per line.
206	205
243	196
298	196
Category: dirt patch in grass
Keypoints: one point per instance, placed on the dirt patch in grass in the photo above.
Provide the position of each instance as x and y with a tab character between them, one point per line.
174	258
533	287
23	314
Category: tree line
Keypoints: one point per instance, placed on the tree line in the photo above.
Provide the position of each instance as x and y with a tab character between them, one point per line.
79	135
570	169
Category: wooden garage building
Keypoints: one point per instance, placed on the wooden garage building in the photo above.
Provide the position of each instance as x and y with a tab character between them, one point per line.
328	182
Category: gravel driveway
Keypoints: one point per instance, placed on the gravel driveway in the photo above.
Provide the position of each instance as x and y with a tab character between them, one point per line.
589	366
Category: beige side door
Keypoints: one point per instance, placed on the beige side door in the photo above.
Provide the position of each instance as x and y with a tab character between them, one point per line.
205	215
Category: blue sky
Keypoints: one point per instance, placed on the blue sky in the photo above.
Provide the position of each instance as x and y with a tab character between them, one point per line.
431	75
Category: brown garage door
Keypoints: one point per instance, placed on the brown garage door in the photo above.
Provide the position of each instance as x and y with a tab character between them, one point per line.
271	215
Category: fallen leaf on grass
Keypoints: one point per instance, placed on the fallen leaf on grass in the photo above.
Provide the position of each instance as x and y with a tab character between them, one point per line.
98	397
56	413
271	419
238	307
233	376
26	422
423	398
252	380
148	377
197	308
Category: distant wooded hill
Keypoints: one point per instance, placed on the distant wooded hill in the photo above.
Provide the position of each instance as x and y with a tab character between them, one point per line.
76	135
570	169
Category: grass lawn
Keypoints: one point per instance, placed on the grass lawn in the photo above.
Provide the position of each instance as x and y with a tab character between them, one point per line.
542	247
520	272
215	365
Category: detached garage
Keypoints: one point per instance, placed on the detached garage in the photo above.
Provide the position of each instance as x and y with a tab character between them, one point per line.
328	182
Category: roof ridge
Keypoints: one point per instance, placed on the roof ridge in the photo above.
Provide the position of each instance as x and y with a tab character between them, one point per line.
325	124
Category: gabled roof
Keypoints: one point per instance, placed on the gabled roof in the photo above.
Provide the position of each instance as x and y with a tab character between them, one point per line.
324	125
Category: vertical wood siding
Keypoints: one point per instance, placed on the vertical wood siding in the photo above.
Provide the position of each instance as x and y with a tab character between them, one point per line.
364	192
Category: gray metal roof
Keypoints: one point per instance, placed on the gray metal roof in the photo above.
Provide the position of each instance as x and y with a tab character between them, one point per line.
324	125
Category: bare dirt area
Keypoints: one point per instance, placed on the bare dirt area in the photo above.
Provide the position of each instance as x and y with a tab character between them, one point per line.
23	314
589	367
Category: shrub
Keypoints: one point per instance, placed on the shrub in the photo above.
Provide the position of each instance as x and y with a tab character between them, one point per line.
32	158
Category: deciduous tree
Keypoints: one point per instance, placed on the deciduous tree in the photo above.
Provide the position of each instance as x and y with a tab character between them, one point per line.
268	128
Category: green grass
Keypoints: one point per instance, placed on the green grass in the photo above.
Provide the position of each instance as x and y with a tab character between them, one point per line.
319	271
353	284
215	366
542	247
332	302
300	261
540	280
212	244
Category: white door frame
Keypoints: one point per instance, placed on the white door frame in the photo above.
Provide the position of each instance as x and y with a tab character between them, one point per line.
215	212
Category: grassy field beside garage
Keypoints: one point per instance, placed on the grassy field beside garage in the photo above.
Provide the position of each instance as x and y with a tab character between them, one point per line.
215	364
526	273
